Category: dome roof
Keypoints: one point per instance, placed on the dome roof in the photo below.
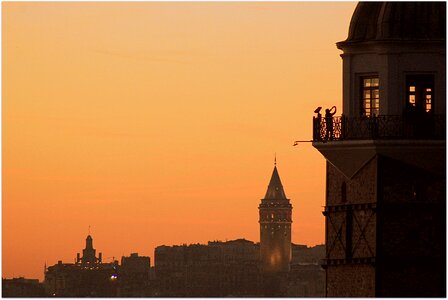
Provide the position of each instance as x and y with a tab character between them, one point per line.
386	21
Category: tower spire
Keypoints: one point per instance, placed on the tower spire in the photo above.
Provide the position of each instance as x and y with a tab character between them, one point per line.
275	159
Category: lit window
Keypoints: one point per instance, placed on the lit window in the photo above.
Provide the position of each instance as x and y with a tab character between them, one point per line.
412	100
420	92
428	103
370	96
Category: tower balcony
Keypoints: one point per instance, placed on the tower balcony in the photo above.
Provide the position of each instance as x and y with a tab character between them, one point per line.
397	127
348	143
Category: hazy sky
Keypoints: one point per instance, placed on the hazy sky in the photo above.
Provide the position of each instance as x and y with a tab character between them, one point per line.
157	123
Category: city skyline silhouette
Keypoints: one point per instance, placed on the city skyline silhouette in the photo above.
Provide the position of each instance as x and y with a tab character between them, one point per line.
157	123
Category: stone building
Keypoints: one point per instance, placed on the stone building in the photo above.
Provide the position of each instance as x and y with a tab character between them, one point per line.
217	269
386	169
87	277
275	212
275	227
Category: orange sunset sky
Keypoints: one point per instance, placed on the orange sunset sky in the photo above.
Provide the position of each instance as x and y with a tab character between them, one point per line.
157	123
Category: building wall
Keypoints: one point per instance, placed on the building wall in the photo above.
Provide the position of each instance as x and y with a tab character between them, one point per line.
350	280
275	247
275	235
412	244
392	64
385	231
351	231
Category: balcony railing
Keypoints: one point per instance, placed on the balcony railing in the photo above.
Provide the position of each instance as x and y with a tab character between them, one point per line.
379	127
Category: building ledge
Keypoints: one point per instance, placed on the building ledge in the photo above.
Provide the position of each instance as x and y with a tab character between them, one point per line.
349	156
356	260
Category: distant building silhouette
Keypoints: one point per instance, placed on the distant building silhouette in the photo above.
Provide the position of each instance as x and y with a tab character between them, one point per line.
217	269
134	276
275	212
236	268
386	169
304	255
231	269
22	287
88	254
306	277
87	277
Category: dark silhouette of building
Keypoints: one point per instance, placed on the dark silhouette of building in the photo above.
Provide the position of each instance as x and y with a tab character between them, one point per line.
306	277
22	287
306	280
237	268
302	254
386	169
217	269
87	277
134	276
275	237
88	254
232	268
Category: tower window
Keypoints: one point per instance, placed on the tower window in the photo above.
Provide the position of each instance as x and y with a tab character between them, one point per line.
420	93
370	96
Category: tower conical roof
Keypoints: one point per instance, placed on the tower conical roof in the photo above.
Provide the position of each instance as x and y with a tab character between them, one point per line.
275	189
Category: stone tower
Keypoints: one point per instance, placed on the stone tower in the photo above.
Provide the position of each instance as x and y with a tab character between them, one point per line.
275	228
386	168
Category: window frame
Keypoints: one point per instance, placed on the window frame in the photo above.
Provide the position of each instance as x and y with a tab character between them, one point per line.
370	106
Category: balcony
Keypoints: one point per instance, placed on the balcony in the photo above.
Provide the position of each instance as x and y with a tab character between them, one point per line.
384	127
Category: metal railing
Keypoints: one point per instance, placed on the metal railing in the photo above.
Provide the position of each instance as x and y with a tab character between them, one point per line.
379	127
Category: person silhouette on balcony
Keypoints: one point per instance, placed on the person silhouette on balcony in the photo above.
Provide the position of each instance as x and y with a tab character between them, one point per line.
317	124
329	123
